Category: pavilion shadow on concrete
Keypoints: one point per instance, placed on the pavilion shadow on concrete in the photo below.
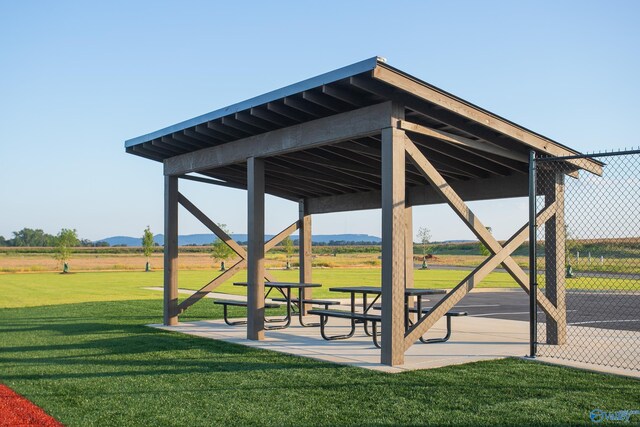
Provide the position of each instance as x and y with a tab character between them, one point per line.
361	137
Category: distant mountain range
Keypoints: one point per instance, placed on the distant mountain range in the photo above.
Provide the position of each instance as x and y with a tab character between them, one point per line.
206	239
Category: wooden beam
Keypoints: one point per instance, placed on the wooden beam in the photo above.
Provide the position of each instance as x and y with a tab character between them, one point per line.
463	288
309	174
182	139
205	140
472	279
462	141
310	168
325	101
256	121
328	130
305	252
205	130
477	115
161	148
170	250
272	117
283	174
281	236
453	162
238	172
478	189
202	292
408	249
554	255
255	260
212	181
242	126
212	226
220	233
279	108
310	108
341	168
393	246
342	95
471	220
361	148
235	182
226	130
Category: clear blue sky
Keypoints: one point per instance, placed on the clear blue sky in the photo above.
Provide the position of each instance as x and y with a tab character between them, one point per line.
79	78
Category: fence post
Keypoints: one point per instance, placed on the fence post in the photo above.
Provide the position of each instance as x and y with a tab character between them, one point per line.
533	269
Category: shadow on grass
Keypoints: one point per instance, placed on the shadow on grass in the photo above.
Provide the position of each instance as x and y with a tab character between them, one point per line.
87	349
97	364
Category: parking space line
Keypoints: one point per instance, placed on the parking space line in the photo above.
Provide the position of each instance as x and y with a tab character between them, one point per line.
477	305
604	321
495	314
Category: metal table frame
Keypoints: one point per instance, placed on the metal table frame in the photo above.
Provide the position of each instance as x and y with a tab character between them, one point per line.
285	289
377	291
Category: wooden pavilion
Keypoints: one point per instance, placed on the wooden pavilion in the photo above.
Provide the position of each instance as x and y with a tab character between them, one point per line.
364	136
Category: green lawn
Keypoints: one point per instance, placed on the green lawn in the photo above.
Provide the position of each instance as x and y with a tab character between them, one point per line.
53	288
77	346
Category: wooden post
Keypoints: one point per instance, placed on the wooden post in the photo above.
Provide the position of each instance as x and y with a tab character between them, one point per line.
305	252
554	252
255	252
408	250
393	246
170	250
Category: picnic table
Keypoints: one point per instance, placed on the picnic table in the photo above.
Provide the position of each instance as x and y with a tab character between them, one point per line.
365	316
376	291
285	289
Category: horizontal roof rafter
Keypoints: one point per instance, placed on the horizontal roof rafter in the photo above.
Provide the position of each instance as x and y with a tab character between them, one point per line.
324	131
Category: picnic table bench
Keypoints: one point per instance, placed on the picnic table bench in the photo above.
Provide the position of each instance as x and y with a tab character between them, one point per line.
226	302
424	310
296	301
285	289
365	317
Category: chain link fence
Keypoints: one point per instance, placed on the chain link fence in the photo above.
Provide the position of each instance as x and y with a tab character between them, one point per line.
588	259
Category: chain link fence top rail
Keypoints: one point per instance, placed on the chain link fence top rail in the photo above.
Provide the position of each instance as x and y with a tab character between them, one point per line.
588	260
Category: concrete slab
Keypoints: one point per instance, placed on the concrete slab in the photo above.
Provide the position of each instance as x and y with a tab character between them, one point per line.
496	328
472	340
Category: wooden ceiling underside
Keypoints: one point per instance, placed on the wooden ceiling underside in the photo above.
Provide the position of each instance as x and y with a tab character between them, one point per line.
351	166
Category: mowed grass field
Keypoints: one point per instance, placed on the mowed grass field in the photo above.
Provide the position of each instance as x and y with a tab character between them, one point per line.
77	345
120	285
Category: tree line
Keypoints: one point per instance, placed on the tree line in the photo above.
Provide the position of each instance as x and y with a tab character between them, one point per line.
29	237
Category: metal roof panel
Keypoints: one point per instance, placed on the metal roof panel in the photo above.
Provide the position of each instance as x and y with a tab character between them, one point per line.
330	77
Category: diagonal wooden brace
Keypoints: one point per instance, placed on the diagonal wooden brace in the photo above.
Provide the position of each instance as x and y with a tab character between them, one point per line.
275	240
212	226
472	279
235	246
202	292
474	224
204	219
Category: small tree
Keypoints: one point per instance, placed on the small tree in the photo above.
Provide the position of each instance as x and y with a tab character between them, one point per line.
147	246
220	250
424	237
571	243
483	249
65	242
288	250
